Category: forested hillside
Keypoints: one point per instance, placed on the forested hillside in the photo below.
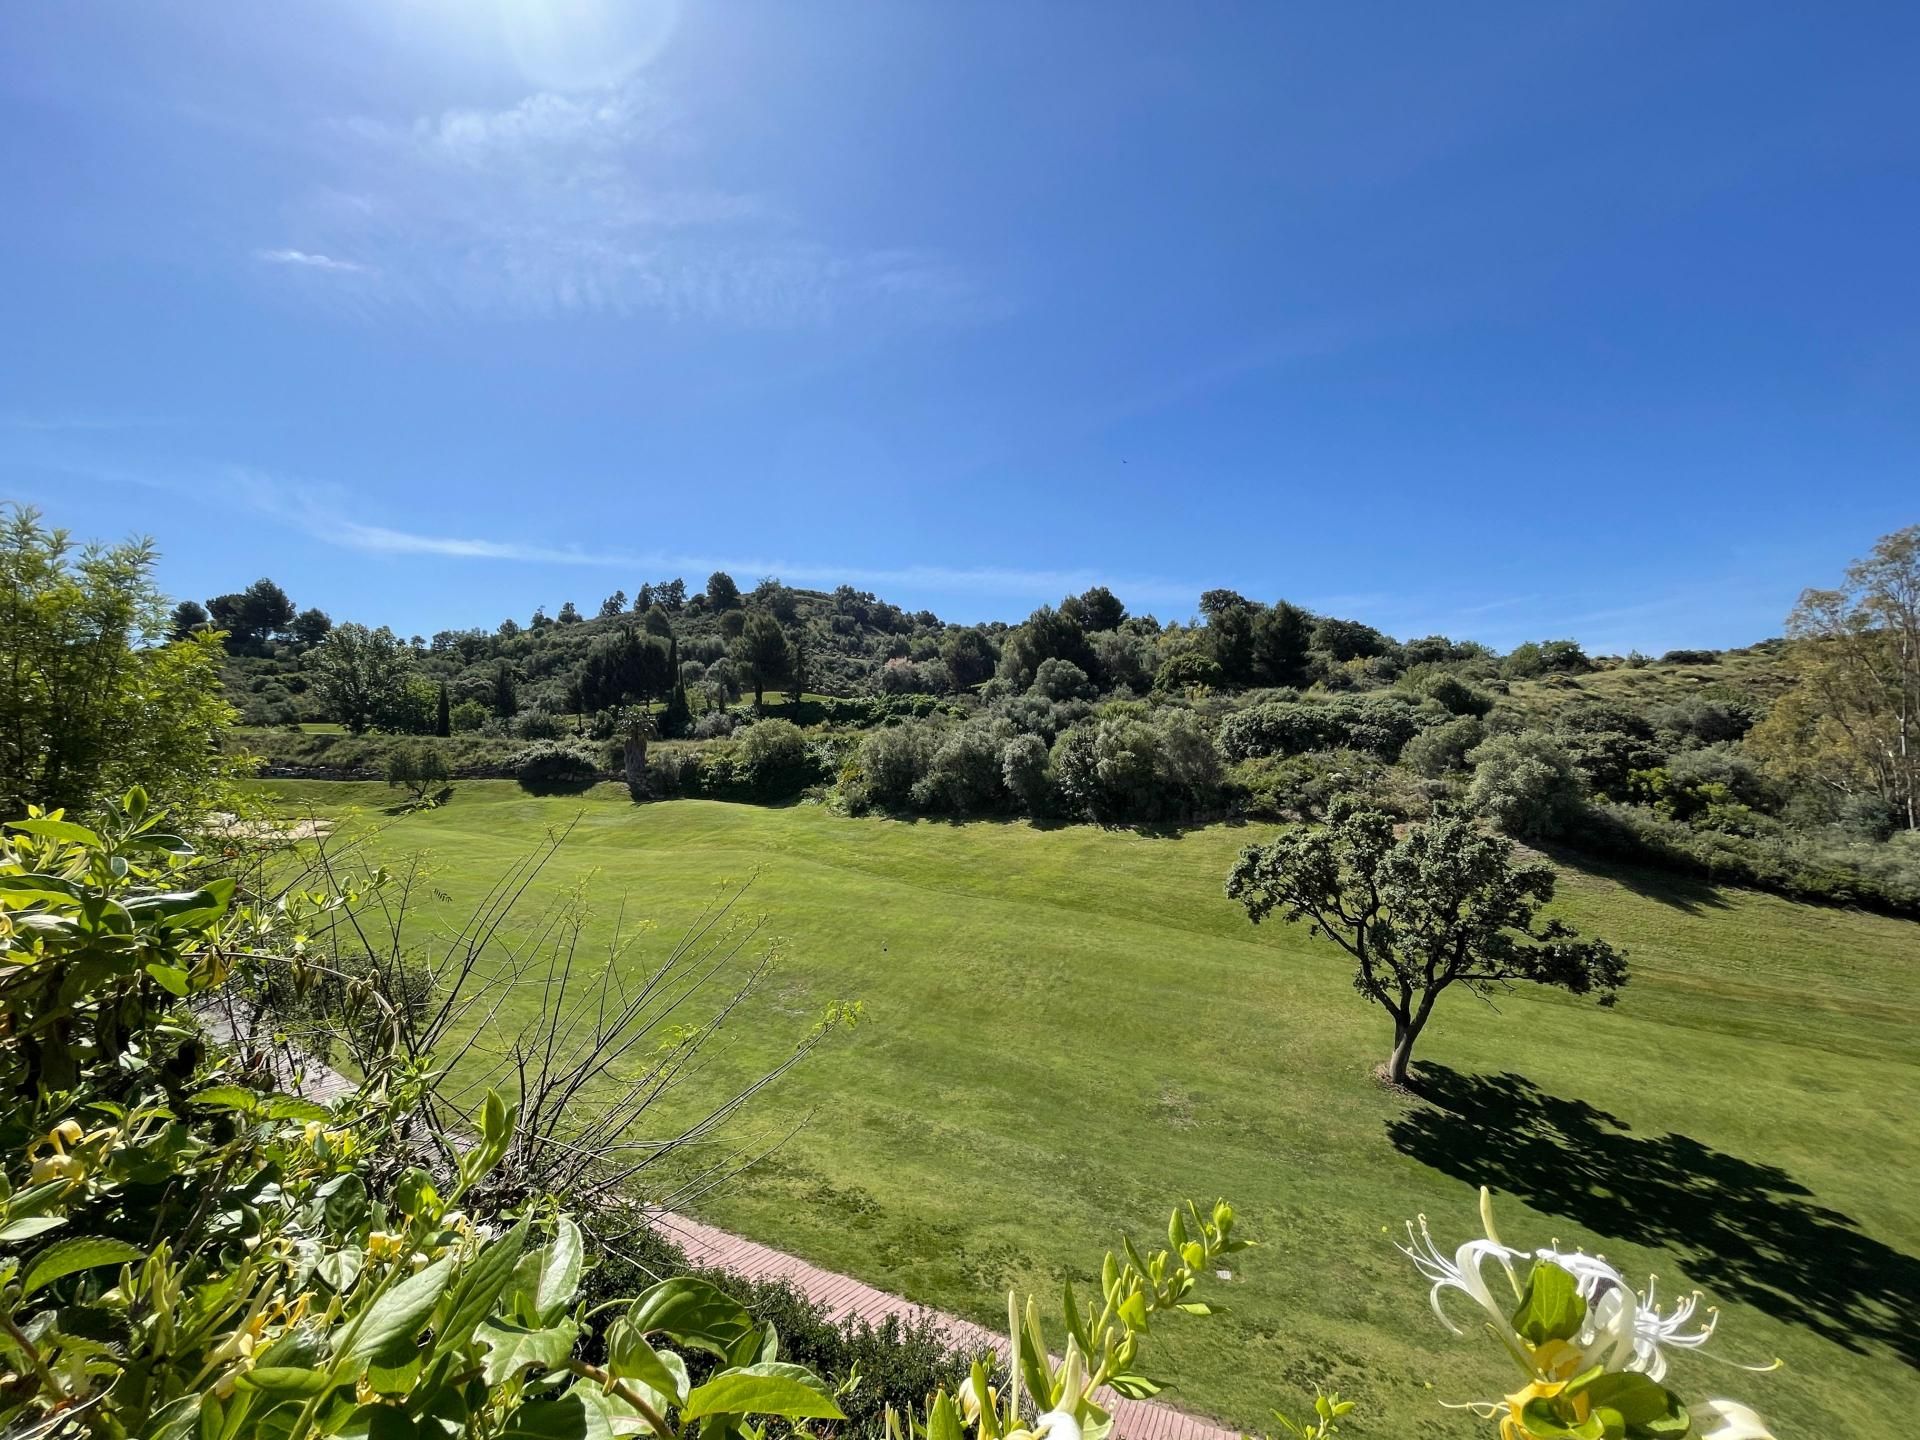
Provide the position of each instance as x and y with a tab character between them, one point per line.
1765	766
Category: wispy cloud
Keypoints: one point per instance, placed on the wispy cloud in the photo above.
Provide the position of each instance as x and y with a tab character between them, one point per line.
306	260
581	203
983	580
319	508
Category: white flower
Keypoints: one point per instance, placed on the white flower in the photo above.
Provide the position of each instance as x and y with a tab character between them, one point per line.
1462	1273
1624	1330
1728	1420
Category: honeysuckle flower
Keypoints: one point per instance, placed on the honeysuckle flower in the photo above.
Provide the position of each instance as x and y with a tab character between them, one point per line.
1728	1420
1619	1331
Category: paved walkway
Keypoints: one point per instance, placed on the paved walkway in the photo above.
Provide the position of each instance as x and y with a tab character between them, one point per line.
839	1295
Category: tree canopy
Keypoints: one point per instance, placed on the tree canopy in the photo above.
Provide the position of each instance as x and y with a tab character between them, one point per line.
1443	904
1852	724
92	702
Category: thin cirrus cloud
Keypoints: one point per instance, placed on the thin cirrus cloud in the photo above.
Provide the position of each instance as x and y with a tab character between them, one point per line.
574	203
307	260
984	580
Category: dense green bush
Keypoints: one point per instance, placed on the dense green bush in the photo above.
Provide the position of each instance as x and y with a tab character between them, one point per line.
1379	724
549	765
774	761
964	774
892	760
1124	767
1526	784
1443	749
1301	787
1023	770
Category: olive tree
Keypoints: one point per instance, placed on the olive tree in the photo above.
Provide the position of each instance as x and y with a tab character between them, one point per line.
1442	904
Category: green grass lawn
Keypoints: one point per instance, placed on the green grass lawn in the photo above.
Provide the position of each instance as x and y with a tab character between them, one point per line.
1068	1030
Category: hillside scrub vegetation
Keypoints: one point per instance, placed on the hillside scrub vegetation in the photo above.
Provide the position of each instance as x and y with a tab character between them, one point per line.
1788	767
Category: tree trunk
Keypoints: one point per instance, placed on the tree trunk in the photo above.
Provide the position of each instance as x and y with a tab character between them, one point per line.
635	754
1405	1032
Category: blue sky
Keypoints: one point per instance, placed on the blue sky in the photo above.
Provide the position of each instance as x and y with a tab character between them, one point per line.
1509	321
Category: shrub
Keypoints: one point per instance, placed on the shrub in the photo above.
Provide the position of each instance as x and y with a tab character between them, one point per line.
1381	724
1058	679
774	756
1186	668
1301	787
538	724
468	716
1123	767
900	1362
893	760
1885	877
553	765
1547	657
964	773
1443	749
1526	784
1448	691
1023	769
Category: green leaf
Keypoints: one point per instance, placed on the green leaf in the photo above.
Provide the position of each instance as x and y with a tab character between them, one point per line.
772	1389
170	978
1544	1423
31	888
27	1226
630	1357
495	1124
943	1420
480	1287
511	1348
57	830
1552	1308
339	1270
284	1380
345	1203
568	1418
390	1328
227	1097
1628	1401
1135	1387
293	1107
68	1257
694	1313
549	1277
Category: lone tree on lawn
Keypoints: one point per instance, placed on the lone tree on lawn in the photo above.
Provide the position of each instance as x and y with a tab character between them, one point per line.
1442	904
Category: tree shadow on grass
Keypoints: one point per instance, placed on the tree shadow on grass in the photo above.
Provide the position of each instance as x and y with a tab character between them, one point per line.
1668	887
1744	1230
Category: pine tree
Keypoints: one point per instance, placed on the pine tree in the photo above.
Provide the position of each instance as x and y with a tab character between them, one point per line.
443	713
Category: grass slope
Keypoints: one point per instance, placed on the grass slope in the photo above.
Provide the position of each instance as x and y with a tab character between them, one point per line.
1070	1029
